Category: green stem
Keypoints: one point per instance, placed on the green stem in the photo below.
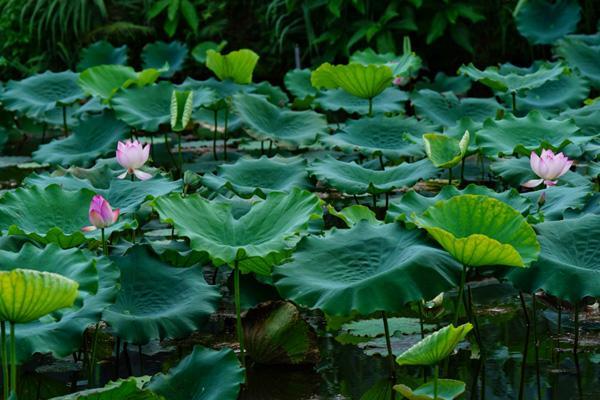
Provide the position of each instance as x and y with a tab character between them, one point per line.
421	319
576	341
514	101
450	176
92	374
65	126
370	107
238	312
559	332
388	343
536	346
381	162
461	289
462	171
436	373
225	137
216	122
169	149
179	153
104	244
4	361
13	361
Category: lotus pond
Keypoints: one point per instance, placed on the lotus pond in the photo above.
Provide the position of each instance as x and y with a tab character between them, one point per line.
365	230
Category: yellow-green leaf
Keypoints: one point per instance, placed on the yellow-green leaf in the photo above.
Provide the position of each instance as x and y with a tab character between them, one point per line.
237	66
435	347
364	81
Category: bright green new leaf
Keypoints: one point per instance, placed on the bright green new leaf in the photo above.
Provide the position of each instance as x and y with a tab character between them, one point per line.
27	295
236	66
444	151
364	81
181	109
447	389
480	230
105	80
435	347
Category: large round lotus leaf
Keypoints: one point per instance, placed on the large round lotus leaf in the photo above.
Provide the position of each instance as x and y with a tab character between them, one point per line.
417	203
102	53
351	178
258	237
129	389
444	151
435	347
480	230
93	137
513	81
338	273
145	107
390	100
581	55
543	21
28	295
524	135
105	80
446	109
249	177
156	55
559	199
568	266
566	91
297	82
203	375
517	171
157	301
52	215
364	81
447	389
237	66
444	83
37	94
269	122
61	332
392	137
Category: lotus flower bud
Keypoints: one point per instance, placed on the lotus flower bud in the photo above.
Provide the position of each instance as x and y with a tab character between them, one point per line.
132	155
101	214
549	167
400	81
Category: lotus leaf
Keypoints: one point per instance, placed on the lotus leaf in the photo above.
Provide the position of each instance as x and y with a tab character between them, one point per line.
390	100
581	55
105	80
559	199
181	109
130	389
352	178
269	122
203	375
446	109
435	347
586	118
513	82
199	51
156	55
353	214
297	81
443	83
364	81
543	22
236	66
102	53
480	230
249	177
336	273
145	108
374	327
256	239
517	171
219	89
444	151
447	389
157	301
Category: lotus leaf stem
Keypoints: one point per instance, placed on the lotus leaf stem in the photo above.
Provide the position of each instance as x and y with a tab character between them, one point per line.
117	356
536	346
559	332
4	361
104	244
270	147
461	288
141	356
462	170
180	156
238	313
576	341
388	344
370	107
92	374
436	373
64	115
13	361
381	162
216	124
450	176
514	101
169	149
225	137
525	348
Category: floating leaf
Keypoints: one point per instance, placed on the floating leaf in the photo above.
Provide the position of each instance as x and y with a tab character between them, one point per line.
105	80
366	256
390	100
269	122
446	109
102	53
559	199
447	389
145	108
236	66
352	178
257	238
158	54
544	22
479	230
364	81
157	301
435	347
374	327
444	151
203	375
130	389
181	109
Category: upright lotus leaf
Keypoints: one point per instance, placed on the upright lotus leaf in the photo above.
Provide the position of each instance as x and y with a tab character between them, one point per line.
480	230
105	80
102	53
417	203
52	215
524	135
297	82
157	301
446	109
269	122
351	178
513	82
435	347
248	177
93	137
390	100
37	94
568	265
582	56
392	137
203	375
544	22
236	66
336	273
364	81
199	51
156	55
61	333
130	389
145	108
181	109
256	239
28	295
447	389
444	151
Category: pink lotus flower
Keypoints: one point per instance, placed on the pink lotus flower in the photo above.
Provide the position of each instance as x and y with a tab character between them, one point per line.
549	167
101	214
132	155
400	81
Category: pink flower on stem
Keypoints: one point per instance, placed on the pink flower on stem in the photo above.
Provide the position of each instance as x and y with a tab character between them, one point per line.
549	167
101	214
132	155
